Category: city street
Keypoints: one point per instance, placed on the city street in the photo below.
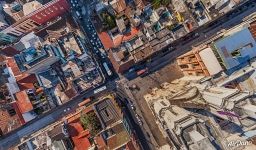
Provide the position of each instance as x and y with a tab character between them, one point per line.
179	47
205	34
15	136
167	73
141	128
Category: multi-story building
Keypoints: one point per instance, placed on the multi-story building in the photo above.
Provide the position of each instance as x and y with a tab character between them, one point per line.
217	7
199	62
38	17
55	137
117	132
235	49
139	49
228	52
229	105
185	129
11	118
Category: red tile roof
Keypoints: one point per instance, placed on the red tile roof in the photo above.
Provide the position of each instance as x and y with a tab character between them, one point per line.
23	102
25	86
24	80
106	40
8	122
133	33
126	37
15	106
13	65
79	136
109	43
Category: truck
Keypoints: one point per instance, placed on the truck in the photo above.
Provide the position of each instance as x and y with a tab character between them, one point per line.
109	72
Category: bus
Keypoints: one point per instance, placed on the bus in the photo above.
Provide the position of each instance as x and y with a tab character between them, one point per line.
100	89
105	65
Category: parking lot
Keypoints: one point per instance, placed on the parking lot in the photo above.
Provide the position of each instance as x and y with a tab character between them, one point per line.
167	74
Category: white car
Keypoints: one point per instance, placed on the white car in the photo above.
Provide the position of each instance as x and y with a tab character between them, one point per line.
67	109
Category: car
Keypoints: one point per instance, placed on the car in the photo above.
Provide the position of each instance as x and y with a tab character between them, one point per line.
131	70
140	123
137	116
138	119
67	109
133	107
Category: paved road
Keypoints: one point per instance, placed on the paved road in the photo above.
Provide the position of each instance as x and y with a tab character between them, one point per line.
144	134
15	136
205	33
52	116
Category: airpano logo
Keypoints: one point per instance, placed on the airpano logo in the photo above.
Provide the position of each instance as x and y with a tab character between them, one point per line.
238	143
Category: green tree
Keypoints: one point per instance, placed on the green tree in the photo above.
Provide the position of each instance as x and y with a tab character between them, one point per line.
109	20
90	122
156	3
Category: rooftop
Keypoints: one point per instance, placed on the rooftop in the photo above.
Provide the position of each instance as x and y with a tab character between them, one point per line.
234	50
118	5
190	93
13	66
79	136
120	138
9	119
28	41
43	65
31	6
107	112
23	102
106	40
179	92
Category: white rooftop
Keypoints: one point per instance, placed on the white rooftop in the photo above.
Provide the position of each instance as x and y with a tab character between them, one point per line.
195	136
217	95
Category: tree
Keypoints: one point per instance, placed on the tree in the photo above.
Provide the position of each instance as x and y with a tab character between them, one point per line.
90	122
109	20
156	3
